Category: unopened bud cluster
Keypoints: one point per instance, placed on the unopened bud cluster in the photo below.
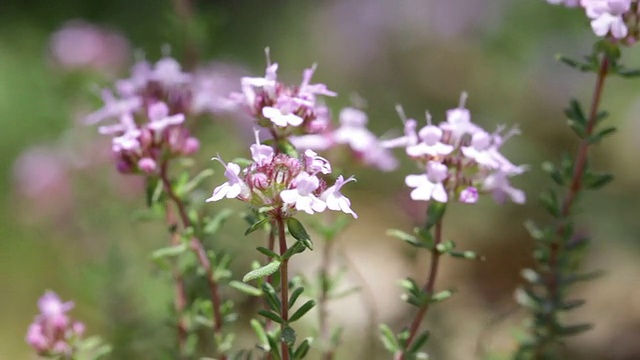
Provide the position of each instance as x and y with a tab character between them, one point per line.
283	183
53	333
150	109
459	160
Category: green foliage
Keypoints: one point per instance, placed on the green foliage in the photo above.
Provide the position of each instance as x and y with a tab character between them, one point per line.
263	271
297	230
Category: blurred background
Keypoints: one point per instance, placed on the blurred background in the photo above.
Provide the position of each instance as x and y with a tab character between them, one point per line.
67	218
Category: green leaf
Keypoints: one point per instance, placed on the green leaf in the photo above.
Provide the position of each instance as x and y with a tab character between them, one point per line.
628	73
445	246
261	333
435	212
153	191
574	278
302	310
388	339
594	139
550	202
194	182
213	225
573	330
609	49
531	276
261	272
169	251
303	349
257	225
294	295
441	296
571	304
408	238
597	181
555	174
245	288
271	297
580	66
269	253
296	248
574	112
297	230
534	230
418	343
469	255
271	316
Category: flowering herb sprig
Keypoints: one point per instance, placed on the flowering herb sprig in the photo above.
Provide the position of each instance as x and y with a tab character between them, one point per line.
459	161
284	110
151	133
559	246
278	186
54	334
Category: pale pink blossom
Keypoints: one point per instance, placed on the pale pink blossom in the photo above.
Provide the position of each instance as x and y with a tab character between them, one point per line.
334	198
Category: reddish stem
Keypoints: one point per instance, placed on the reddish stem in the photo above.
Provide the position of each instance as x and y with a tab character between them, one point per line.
427	288
196	245
179	291
578	173
575	187
284	283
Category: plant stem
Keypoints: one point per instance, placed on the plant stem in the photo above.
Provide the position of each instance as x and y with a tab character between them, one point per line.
179	291
428	289
196	245
555	270
284	282
271	241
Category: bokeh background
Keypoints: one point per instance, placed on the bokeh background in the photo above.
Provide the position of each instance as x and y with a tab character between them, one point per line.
67	219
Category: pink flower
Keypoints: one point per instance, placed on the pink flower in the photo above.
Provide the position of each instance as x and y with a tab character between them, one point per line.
334	198
429	185
159	118
261	154
231	189
498	185
53	332
316	164
82	45
302	196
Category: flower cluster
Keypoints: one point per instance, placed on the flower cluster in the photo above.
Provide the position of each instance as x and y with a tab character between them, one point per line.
459	159
352	132
53	333
283	109
149	108
283	183
619	18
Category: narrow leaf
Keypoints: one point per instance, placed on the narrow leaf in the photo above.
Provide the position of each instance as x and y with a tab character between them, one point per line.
257	225
169	251
297	230
245	288
441	296
213	225
271	316
294	296
303	349
261	272
388	339
302	310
